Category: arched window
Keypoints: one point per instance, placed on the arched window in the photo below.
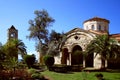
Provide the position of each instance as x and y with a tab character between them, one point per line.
92	27
99	27
106	28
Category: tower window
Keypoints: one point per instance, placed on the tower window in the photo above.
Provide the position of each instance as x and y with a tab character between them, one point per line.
12	35
99	27
93	27
105	28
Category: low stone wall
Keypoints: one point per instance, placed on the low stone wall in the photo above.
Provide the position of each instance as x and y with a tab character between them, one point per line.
66	68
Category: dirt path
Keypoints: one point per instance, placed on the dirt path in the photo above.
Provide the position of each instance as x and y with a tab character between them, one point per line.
48	78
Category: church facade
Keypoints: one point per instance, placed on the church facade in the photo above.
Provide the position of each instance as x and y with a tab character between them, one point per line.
78	39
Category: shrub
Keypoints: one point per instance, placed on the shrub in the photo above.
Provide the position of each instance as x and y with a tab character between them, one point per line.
59	68
37	76
31	71
99	76
29	60
49	60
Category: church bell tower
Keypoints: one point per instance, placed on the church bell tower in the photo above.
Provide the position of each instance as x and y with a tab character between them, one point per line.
12	33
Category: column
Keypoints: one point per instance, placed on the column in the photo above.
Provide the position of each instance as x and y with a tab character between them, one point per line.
69	58
83	61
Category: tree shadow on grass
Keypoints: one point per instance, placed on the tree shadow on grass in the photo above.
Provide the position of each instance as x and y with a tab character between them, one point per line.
113	70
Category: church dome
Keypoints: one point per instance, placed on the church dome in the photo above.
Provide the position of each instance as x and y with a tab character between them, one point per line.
96	24
97	19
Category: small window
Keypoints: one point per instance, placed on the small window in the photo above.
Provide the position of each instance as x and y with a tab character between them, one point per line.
106	28
99	27
93	27
12	34
76	37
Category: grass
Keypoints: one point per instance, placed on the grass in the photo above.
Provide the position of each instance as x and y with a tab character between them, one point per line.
81	75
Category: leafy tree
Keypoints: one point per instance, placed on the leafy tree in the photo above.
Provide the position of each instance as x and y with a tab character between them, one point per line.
2	56
103	45
54	36
29	60
39	28
42	49
52	47
54	43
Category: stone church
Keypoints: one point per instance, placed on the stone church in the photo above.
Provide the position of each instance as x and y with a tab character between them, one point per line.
78	39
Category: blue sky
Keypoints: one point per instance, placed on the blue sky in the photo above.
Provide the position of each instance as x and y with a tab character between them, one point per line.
68	14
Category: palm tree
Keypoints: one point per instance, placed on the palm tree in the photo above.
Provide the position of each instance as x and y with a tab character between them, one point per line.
14	47
103	45
20	46
39	29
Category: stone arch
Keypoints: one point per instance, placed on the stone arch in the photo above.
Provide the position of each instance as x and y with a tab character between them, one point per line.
99	27
74	45
65	56
76	55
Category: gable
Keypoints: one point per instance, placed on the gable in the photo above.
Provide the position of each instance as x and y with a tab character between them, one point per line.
79	37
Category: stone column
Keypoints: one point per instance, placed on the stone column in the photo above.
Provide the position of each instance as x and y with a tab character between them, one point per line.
106	63
69	58
83	61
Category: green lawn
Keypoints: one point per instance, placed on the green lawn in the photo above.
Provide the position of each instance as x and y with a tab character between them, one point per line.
81	75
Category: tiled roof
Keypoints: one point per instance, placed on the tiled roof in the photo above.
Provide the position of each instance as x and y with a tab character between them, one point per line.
97	19
115	36
12	27
98	32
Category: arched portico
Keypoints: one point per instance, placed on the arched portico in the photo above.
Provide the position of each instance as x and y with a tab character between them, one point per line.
74	46
76	55
65	56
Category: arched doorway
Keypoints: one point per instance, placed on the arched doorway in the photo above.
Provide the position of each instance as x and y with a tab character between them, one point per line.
65	56
77	56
